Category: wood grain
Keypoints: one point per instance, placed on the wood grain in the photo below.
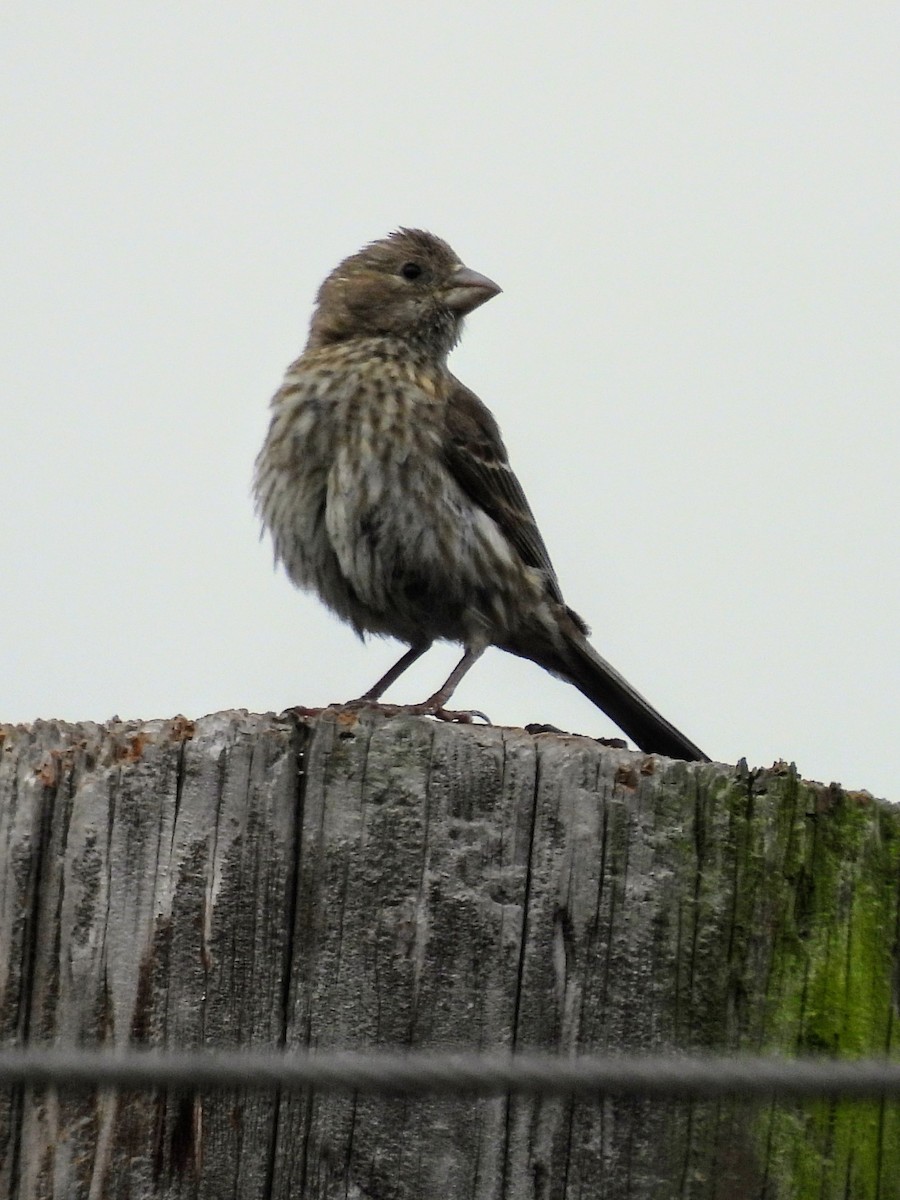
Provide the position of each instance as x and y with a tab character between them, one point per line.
356	881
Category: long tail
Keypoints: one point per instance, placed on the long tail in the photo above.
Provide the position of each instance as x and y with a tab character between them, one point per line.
579	663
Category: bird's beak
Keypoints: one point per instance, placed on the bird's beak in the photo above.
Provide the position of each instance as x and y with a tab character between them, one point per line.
466	290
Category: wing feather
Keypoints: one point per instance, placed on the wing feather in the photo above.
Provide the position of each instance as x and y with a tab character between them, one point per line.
477	458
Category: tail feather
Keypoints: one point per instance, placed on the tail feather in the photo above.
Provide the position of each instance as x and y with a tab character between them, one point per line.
580	664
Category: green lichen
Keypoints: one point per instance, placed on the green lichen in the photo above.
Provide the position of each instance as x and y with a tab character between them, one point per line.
834	963
794	886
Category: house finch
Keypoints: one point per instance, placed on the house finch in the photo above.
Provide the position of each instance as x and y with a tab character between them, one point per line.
385	485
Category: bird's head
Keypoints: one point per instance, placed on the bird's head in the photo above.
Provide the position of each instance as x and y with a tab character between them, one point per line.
410	285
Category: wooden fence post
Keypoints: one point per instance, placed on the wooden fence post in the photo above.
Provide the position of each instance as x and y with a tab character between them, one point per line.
356	881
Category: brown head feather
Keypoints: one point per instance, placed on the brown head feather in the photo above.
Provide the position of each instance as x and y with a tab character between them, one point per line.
395	287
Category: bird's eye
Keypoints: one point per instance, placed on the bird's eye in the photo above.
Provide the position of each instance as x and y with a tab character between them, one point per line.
411	270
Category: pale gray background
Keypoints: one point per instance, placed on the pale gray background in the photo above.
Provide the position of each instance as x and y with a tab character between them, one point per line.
692	209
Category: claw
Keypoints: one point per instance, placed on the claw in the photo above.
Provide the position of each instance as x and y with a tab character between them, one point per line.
426	709
464	717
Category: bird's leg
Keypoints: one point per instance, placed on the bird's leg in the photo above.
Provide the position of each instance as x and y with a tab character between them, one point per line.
450	684
434	705
378	689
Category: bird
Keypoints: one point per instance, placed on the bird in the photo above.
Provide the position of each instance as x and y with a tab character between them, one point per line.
386	488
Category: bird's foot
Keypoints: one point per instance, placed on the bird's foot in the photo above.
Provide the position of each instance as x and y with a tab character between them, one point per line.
464	716
427	708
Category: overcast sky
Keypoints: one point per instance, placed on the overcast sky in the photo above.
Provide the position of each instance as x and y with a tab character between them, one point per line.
693	212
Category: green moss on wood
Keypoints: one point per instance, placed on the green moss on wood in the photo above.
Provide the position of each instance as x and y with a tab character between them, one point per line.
795	886
834	921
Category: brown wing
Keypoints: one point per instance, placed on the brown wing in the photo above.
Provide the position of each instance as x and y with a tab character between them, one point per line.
476	456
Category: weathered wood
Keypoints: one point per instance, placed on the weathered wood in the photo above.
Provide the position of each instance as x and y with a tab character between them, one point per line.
356	882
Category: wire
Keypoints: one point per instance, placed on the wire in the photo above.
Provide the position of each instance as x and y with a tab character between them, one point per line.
666	1076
